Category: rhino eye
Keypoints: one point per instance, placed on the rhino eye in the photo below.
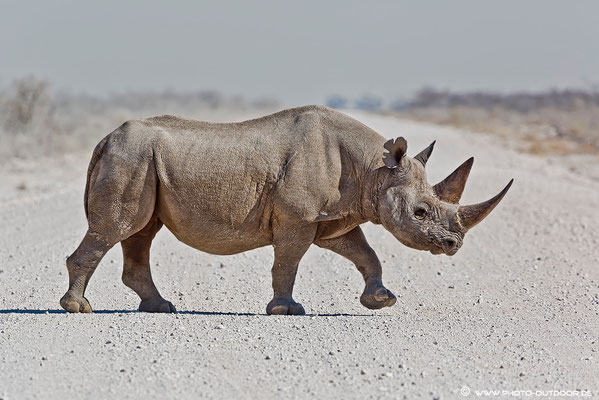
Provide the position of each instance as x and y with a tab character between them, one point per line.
420	213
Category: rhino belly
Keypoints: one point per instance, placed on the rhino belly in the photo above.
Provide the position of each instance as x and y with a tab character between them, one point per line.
213	226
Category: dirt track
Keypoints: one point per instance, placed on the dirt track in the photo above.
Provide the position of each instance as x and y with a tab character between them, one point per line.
516	309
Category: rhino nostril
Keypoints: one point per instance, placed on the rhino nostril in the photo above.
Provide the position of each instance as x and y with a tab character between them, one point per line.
449	244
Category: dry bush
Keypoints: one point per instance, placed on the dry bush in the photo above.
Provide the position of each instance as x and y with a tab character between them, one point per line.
26	102
26	116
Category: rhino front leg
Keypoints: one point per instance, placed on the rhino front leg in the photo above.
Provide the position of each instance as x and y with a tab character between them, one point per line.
290	245
354	247
136	269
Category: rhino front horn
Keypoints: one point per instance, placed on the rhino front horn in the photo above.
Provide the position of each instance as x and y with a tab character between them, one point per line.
469	216
451	188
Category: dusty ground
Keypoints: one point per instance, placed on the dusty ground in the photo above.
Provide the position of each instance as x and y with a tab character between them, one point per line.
516	309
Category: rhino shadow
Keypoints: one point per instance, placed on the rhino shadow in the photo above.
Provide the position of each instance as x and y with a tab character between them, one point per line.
213	313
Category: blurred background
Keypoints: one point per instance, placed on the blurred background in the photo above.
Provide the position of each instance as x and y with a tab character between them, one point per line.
73	71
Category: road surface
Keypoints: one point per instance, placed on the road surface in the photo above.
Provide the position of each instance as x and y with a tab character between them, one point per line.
516	309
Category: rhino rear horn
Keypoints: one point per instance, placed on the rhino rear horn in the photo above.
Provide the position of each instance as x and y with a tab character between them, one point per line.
451	188
425	154
397	149
469	216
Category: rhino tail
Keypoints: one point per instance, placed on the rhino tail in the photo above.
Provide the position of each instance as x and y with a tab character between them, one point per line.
97	154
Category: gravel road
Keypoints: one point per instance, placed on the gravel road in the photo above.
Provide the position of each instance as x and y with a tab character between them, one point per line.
516	309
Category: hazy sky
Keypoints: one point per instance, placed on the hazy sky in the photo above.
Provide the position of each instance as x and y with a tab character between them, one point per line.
303	51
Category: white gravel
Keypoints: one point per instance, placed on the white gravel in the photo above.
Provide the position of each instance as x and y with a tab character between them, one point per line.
516	309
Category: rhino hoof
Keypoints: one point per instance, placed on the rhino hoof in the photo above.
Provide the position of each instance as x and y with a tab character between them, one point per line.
75	304
284	307
157	306
380	298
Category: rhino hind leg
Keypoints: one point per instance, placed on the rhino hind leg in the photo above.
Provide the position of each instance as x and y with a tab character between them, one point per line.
81	265
120	202
354	247
136	269
290	245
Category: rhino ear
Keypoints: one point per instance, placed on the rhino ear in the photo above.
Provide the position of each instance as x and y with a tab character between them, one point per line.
396	150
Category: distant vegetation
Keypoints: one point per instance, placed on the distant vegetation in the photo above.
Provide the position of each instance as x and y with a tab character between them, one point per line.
519	102
36	121
554	121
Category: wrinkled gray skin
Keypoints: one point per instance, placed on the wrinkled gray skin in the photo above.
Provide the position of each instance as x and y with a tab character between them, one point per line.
300	176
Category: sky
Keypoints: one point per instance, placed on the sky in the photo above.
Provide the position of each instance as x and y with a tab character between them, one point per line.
301	52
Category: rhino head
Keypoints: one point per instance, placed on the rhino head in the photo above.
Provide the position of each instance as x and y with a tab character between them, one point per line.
422	216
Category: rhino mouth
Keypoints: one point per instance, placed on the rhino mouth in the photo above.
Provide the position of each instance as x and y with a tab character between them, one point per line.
439	250
451	252
448	246
436	251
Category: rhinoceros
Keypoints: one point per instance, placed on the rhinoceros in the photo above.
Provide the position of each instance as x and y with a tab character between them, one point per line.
302	176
